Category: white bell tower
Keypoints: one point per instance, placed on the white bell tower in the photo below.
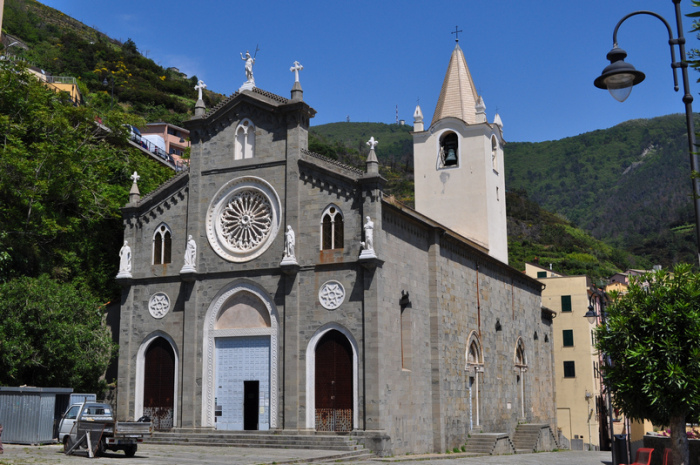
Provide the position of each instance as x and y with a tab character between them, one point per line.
458	162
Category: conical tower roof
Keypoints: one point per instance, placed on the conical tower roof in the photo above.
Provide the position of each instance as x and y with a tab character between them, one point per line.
458	97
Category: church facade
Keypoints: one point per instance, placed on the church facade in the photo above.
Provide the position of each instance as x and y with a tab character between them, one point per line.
271	288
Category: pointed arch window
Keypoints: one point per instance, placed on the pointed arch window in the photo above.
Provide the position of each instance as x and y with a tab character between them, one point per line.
474	368
244	144
162	245
332	228
520	362
448	156
494	153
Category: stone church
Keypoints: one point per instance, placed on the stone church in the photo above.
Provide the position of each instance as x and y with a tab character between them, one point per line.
272	288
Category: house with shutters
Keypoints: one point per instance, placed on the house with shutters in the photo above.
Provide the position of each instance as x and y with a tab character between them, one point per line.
271	288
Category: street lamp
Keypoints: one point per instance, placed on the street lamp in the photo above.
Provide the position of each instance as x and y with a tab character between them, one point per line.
105	83
619	77
592	318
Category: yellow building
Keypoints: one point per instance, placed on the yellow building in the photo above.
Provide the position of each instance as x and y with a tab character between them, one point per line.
580	408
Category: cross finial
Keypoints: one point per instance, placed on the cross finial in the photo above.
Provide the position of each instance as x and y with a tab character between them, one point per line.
135	177
372	143
200	87
456	33
295	69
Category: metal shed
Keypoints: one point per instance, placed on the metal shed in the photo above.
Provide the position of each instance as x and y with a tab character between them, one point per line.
28	413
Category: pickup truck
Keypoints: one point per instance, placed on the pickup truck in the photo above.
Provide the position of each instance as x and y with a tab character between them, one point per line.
108	434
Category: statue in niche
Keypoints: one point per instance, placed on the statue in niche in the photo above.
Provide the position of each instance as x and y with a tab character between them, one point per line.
125	261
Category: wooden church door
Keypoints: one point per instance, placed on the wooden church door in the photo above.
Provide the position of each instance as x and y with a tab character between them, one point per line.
334	385
159	384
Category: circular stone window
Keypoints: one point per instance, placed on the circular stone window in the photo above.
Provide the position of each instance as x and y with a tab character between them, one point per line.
243	219
331	295
159	304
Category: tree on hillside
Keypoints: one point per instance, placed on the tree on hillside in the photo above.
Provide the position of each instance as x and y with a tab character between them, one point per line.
62	181
52	334
652	339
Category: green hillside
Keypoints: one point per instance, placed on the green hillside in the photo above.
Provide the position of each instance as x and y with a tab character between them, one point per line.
62	46
628	185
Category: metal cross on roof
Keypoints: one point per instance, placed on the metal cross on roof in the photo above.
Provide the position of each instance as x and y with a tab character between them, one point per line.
456	33
135	177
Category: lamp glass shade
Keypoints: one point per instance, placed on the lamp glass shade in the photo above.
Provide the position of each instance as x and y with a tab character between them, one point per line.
591	315
620	94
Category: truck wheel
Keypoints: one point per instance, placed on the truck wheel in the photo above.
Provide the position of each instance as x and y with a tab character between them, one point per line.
130	450
67	444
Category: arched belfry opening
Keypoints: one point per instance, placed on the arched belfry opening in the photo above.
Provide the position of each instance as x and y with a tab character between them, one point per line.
449	150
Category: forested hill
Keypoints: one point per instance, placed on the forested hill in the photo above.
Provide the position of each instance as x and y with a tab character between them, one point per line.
63	46
628	185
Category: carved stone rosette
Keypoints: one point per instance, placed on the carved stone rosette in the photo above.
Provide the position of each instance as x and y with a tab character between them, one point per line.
243	219
159	305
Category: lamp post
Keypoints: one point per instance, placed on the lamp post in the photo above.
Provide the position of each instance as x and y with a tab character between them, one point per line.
592	318
619	77
105	83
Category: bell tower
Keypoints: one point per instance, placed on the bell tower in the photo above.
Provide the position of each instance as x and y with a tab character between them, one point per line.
458	162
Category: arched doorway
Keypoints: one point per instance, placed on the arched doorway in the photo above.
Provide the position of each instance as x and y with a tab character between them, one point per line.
159	384
239	389
334	383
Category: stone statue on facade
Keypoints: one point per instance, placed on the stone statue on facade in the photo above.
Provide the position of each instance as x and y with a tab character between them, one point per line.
289	242
289	257
249	62
190	256
125	261
368	244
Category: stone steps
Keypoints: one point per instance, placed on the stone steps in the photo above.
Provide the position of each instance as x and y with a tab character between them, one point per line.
535	437
489	444
257	439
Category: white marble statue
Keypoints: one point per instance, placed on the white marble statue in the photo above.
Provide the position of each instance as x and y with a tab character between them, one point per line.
190	254
125	261
289	243
368	244
249	61
200	87
295	69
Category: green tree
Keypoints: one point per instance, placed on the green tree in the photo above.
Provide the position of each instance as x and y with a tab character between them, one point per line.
63	180
652	338
52	334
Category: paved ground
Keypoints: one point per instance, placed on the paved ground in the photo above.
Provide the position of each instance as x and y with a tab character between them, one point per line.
153	454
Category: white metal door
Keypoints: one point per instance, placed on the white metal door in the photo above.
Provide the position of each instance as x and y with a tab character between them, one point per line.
240	359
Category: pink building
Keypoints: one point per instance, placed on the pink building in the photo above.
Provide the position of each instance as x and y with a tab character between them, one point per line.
176	138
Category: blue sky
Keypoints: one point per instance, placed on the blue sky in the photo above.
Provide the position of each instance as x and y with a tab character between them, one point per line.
533	61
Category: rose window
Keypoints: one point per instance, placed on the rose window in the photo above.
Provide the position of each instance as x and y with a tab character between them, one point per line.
243	219
246	221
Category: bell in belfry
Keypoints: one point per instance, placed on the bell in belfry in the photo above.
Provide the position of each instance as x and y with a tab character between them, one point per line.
451	157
